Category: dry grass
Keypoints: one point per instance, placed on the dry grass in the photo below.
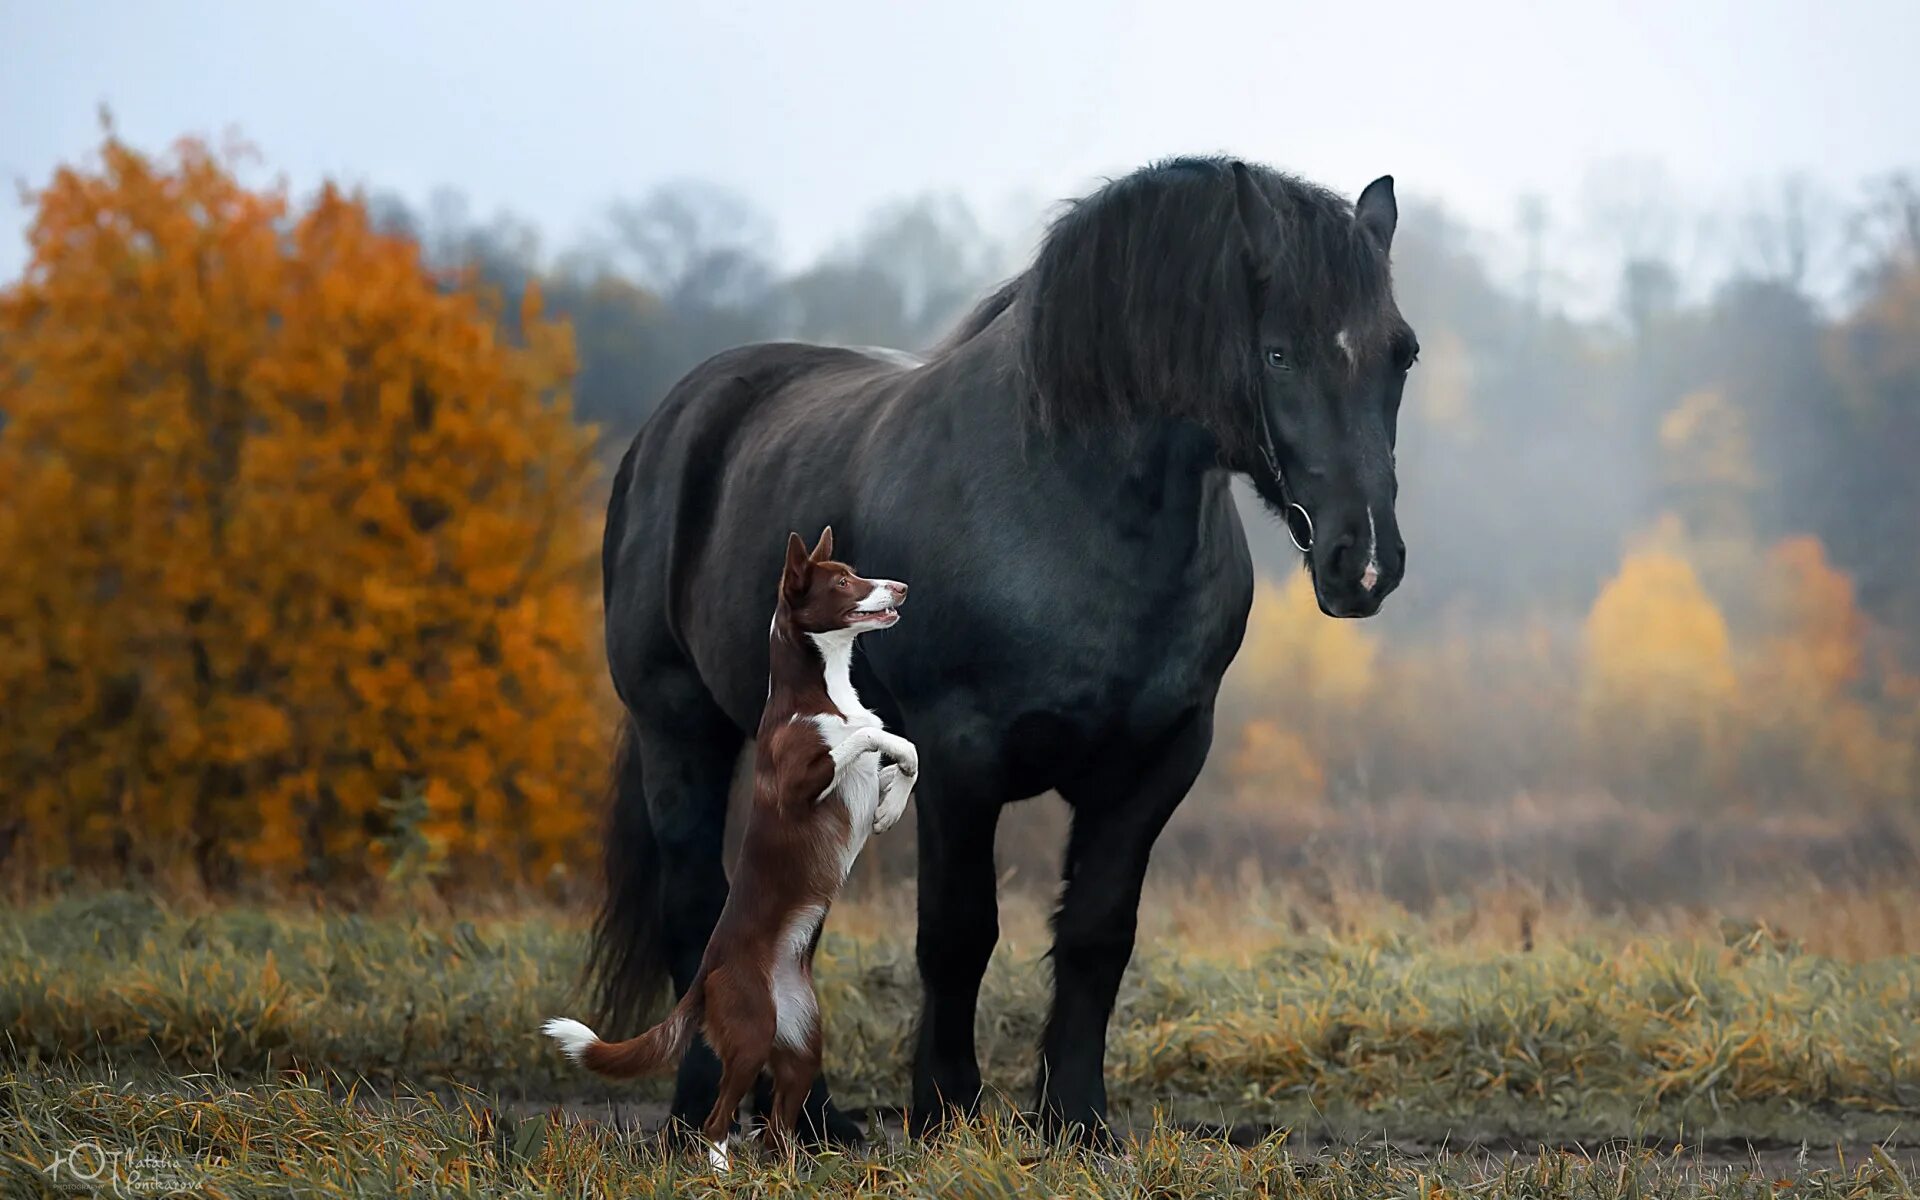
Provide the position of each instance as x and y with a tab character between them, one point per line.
205	1137
1245	1003
1227	917
1615	854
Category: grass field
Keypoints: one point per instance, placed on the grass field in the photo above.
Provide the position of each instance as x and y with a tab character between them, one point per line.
1354	1049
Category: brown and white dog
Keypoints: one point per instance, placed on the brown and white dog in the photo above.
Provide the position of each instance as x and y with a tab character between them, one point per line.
819	789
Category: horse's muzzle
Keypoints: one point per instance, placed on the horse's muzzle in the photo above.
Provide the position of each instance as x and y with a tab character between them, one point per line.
1355	568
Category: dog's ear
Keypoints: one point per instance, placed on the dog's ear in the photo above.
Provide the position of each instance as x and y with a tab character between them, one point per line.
798	571
824	550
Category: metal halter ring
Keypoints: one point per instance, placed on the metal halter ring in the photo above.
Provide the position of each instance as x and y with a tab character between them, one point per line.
1296	517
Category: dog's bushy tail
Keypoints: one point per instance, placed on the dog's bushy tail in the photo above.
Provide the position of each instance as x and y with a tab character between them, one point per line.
658	1049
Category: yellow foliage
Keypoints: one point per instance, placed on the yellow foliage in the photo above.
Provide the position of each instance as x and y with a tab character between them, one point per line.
1294	689
289	526
1277	761
1659	669
1706	440
1292	650
1816	627
1707	456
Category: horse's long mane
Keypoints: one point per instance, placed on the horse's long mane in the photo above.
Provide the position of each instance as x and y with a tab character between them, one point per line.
1141	300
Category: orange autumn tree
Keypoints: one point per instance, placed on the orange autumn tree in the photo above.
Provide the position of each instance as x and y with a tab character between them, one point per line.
1812	725
297	544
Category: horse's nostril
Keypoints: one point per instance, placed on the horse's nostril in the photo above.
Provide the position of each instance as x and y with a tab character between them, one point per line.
1343	557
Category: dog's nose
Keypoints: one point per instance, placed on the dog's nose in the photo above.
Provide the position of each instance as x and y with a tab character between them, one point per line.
899	591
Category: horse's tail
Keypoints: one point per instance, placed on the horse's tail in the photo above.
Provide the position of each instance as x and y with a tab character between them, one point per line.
627	966
658	1049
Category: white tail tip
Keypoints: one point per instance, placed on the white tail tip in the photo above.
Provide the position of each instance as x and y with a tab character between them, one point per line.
573	1037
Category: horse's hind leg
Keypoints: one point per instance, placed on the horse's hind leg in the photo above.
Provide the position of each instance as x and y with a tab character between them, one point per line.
688	749
1118	811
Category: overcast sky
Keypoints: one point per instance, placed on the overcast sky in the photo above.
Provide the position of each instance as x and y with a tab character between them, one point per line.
820	110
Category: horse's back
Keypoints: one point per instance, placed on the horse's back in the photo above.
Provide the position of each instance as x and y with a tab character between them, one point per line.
701	497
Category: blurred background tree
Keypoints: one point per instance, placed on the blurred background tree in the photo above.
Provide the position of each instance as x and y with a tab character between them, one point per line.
274	473
291	526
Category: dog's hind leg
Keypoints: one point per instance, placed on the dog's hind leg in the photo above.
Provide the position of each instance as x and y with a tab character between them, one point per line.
736	1080
740	1024
794	1070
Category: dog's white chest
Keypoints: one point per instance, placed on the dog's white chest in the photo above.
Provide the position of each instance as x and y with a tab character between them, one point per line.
859	786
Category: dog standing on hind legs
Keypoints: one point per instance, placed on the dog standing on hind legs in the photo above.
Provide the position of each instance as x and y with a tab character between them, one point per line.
819	789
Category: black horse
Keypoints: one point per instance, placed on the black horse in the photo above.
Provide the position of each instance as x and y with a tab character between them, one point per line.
1054	480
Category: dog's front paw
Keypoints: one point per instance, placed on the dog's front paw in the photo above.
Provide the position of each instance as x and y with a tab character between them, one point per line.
907	759
889	815
896	786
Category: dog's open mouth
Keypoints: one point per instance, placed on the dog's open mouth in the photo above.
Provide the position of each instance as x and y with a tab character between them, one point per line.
879	616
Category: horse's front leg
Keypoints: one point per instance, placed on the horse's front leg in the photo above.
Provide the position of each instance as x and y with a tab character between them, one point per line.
1118	811
959	922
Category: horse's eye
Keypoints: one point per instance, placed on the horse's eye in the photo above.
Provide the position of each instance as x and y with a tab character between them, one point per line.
1277	359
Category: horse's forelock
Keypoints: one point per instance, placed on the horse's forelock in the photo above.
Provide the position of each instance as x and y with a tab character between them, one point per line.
1140	301
1332	280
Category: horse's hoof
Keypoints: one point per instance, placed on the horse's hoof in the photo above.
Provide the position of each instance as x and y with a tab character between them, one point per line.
937	1120
831	1128
680	1134
1086	1130
718	1158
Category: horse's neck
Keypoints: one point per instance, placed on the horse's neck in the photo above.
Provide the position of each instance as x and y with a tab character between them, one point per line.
1159	491
1154	492
1160	463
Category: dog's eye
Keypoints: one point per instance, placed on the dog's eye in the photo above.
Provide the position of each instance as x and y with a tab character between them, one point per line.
845	583
1277	359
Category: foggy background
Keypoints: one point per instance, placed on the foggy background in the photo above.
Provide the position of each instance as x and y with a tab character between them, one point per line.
1661	621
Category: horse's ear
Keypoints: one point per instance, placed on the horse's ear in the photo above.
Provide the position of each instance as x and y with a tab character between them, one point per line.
1261	222
824	550
1376	211
798	570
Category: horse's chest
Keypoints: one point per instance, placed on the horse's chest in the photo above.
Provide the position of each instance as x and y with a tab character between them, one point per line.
859	786
1143	659
1135	661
